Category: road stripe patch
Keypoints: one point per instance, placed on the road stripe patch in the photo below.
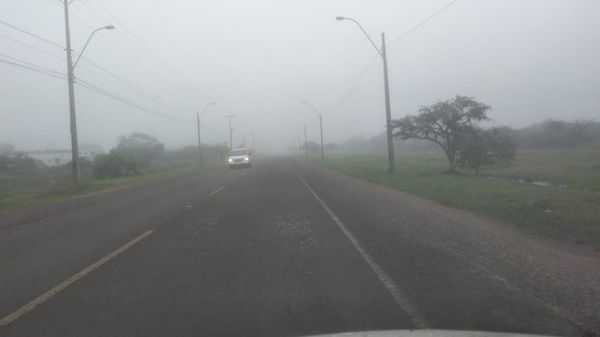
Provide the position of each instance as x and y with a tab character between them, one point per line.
417	318
63	285
216	191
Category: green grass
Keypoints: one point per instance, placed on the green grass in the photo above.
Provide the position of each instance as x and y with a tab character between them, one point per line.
54	184
569	208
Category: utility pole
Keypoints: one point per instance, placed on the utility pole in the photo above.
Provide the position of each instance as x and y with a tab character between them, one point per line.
72	113
198	117
322	145
199	140
320	125
388	109
230	132
71	83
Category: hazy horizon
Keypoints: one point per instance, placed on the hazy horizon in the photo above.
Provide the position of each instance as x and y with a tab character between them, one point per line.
529	60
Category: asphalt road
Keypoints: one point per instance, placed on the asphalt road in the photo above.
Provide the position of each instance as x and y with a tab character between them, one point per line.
282	249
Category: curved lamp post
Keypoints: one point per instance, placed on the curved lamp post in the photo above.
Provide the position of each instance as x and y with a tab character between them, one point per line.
71	81
388	112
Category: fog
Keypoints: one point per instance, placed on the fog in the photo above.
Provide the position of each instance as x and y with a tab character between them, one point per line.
257	60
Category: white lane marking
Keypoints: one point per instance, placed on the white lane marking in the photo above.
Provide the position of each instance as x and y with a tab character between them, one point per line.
417	318
216	191
63	285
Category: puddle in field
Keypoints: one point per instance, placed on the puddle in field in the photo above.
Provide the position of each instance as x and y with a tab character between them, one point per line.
540	183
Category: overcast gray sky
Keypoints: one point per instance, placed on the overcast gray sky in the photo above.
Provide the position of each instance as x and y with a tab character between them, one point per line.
528	59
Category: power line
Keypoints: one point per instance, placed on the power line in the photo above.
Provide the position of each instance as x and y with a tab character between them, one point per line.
135	39
134	57
41	71
355	85
136	105
110	41
32	34
419	25
31	47
132	86
137	61
114	78
129	102
49	72
33	65
138	89
408	32
130	36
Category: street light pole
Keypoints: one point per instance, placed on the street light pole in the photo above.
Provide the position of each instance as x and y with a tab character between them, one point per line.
320	125
71	87
388	111
198	117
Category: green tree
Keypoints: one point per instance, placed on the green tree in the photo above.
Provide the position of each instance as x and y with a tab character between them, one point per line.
443	123
140	147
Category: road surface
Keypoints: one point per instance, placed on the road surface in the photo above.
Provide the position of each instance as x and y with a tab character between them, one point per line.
282	249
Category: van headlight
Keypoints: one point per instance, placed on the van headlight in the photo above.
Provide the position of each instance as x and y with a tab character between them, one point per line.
230	160
246	158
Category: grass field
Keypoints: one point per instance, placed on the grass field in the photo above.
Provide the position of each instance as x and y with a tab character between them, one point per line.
553	193
54	183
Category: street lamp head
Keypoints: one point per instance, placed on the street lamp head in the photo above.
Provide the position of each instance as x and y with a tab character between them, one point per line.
304	102
109	27
340	18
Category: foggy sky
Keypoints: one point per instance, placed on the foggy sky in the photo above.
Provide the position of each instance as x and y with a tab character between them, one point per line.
530	60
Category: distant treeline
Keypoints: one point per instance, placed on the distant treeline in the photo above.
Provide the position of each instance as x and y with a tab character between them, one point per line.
549	134
558	134
134	154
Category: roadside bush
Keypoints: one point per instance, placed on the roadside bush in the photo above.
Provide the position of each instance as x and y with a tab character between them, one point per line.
18	161
114	165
